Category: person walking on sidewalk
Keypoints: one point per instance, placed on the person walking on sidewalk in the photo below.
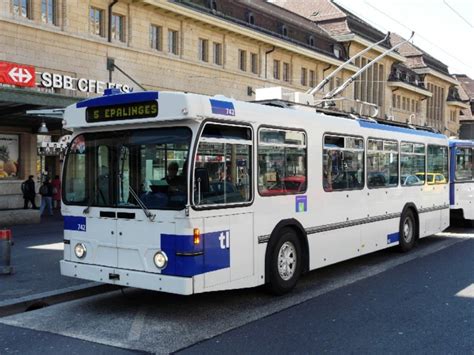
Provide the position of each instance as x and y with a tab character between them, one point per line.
29	192
46	192
56	192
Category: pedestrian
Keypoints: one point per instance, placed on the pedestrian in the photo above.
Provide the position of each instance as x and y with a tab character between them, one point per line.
29	192
56	192
46	192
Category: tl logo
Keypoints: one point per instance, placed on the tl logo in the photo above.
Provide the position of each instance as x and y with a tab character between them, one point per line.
224	239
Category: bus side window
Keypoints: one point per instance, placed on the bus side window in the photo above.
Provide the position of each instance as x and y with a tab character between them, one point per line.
343	163
382	163
281	162
437	164
223	165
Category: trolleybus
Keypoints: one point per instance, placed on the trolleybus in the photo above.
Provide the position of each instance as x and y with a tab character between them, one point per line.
185	193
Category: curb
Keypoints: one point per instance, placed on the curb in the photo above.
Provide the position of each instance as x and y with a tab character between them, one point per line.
44	299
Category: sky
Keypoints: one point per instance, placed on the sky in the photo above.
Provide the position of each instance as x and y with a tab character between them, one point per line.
443	28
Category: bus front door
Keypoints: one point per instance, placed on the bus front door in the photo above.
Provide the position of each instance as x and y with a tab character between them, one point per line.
229	248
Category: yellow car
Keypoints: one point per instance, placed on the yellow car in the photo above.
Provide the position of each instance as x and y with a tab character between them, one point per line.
432	178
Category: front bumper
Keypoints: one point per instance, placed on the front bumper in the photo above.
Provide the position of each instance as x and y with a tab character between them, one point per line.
129	278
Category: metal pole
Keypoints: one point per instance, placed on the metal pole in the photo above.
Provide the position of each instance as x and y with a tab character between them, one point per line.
5	252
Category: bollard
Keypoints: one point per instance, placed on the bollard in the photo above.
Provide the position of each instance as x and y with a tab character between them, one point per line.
5	251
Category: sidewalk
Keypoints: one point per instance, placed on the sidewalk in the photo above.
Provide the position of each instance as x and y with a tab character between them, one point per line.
35	260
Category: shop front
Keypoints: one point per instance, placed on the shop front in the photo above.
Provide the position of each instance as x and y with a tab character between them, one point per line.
33	144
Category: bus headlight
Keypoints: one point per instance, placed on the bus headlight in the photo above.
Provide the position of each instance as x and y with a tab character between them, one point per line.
80	250
160	259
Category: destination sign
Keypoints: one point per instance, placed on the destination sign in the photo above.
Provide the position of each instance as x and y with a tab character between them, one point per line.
122	112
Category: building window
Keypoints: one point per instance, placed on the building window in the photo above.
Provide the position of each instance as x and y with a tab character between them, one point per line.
156	37
48	11
398	102
213	5
435	106
304	76
22	8
242	60
203	50
254	60
96	17
173	38
370	87
394	100
217	49
283	30
276	69
118	27
250	18
404	103
311	41
286	72
312	78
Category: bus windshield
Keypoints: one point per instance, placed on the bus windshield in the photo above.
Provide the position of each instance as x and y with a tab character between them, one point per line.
114	169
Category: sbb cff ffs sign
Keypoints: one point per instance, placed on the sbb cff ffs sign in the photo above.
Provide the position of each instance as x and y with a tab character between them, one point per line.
17	74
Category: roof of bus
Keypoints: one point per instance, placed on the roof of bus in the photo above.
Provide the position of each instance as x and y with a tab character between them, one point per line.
461	142
183	106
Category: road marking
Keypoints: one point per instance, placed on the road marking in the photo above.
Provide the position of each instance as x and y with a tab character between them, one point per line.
467	292
137	325
55	246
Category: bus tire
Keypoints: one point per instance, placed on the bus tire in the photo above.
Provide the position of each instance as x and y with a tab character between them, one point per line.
408	231
286	259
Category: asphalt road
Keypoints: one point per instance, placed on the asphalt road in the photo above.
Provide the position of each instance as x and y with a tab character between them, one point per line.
35	260
417	307
383	302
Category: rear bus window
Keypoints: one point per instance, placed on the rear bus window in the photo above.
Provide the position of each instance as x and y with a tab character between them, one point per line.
281	162
343	163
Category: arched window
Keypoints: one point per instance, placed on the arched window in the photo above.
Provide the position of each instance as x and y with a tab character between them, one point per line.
311	40
213	4
250	18
283	30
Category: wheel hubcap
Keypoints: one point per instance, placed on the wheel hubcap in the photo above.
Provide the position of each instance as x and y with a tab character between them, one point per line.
408	230
287	261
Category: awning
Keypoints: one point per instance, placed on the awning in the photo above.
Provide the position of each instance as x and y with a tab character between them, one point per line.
14	102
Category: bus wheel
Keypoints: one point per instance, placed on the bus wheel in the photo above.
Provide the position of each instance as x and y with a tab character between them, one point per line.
408	231
285	262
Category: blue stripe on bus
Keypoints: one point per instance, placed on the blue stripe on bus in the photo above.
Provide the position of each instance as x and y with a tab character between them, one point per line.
74	223
225	108
119	99
212	254
392	238
380	126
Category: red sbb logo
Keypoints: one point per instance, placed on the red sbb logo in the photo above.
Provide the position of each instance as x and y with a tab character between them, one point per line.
17	74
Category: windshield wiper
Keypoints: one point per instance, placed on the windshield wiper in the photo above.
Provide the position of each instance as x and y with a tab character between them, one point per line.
147	212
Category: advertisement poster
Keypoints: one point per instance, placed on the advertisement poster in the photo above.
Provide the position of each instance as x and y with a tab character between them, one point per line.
9	155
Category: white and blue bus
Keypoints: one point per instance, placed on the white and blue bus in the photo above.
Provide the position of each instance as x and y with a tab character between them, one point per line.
185	193
461	196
